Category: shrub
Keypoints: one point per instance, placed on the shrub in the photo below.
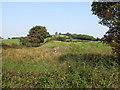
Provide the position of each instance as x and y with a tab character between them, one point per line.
29	42
82	37
15	38
24	40
61	38
57	38
36	36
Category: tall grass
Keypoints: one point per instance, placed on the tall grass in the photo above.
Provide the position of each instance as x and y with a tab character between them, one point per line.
73	64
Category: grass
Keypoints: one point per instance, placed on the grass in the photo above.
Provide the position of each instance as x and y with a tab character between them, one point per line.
73	65
15	41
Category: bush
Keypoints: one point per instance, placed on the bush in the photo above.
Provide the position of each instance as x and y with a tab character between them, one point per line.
29	42
82	37
15	38
24	41
57	38
61	38
36	36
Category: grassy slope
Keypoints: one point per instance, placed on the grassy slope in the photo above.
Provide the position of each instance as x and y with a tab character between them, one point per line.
16	41
73	64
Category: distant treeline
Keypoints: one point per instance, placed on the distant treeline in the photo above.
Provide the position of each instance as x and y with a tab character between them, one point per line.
79	36
39	35
73	36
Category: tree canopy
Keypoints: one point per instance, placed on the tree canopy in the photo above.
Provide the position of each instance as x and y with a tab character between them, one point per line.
36	36
109	15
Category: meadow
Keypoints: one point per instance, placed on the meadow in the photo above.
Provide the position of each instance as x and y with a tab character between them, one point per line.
15	41
57	64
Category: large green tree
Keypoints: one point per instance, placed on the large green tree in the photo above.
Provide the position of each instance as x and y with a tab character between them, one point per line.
108	12
36	36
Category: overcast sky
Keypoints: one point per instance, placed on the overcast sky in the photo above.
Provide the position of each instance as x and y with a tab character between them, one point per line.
73	17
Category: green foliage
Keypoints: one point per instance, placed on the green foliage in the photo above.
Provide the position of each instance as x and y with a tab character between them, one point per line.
61	38
56	33
58	38
87	71
72	38
109	14
29	42
60	33
68	34
15	41
24	41
82	37
74	65
36	36
81	71
15	37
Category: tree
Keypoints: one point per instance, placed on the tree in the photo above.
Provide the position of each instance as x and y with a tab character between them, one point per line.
68	34
36	36
1	37
109	15
60	33
56	33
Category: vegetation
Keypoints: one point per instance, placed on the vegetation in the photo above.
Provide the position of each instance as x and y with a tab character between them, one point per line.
36	36
56	33
82	37
64	60
60	65
1	37
15	41
109	14
59	38
11	43
15	37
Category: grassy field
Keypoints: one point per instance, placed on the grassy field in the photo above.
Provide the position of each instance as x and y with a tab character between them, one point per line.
15	41
59	64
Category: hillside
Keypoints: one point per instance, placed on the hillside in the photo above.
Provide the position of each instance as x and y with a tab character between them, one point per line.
15	41
59	64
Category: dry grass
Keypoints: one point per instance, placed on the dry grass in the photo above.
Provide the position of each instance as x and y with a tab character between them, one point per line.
83	63
33	55
52	51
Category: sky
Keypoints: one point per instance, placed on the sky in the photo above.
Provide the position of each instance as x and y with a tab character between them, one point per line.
73	17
